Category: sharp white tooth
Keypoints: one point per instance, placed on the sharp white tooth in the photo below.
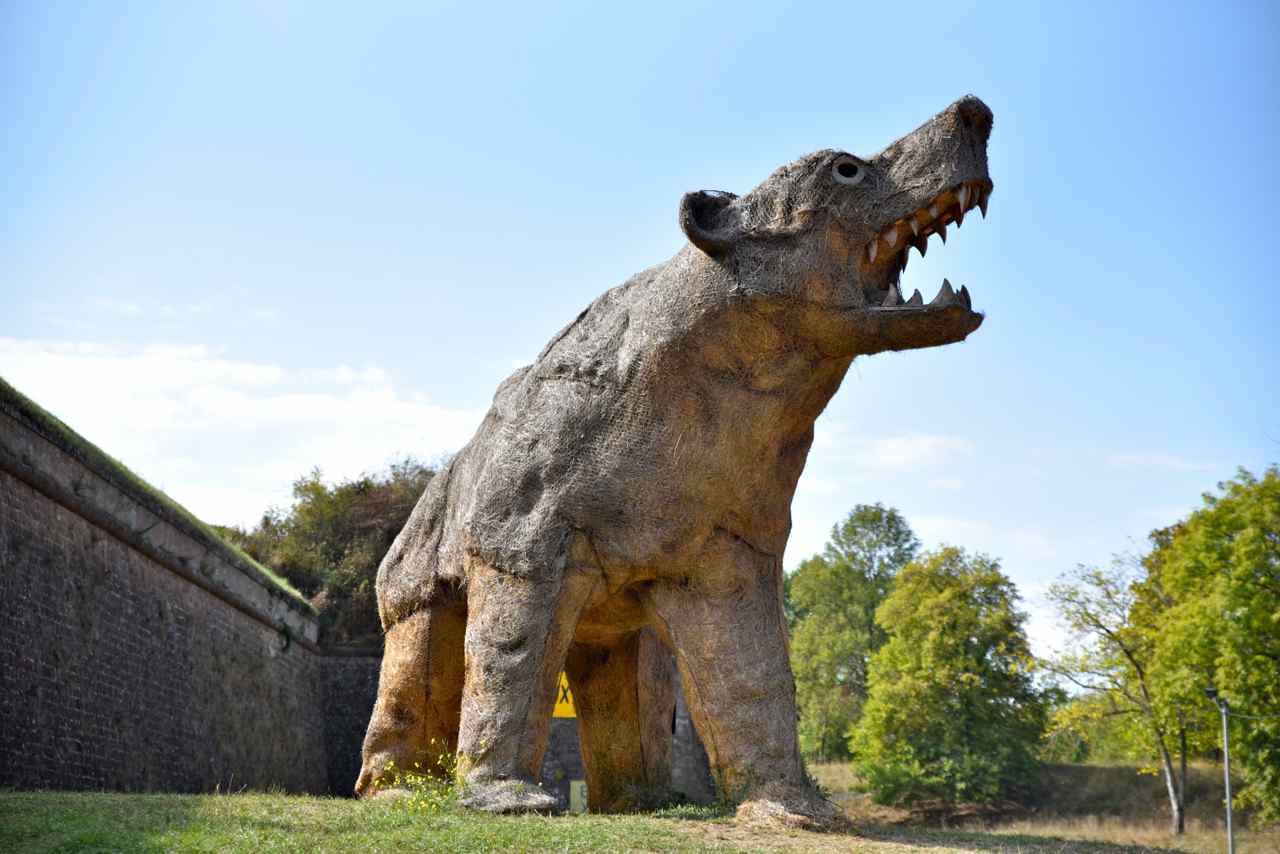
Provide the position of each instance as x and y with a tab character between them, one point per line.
891	236
871	251
916	299
946	296
965	299
915	227
960	218
942	232
963	197
922	244
982	204
934	210
893	298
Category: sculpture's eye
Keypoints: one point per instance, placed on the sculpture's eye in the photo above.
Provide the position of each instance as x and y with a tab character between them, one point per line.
847	170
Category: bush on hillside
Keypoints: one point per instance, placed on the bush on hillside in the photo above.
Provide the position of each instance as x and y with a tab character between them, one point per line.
329	543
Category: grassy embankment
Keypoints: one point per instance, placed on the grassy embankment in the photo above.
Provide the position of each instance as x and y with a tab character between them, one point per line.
1091	810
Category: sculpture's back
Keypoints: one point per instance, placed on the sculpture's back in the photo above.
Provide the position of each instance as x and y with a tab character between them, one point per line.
634	484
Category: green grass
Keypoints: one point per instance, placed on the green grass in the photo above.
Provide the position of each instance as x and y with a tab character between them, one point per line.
65	821
118	473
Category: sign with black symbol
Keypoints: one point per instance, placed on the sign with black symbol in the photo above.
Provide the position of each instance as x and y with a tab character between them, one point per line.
564	700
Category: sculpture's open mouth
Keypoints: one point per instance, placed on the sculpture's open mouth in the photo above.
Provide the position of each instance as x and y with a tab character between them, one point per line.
885	255
890	322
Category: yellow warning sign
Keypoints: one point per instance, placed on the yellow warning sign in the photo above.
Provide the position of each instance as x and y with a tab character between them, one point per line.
564	700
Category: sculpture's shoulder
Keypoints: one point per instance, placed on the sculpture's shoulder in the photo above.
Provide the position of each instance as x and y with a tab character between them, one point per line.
599	343
511	496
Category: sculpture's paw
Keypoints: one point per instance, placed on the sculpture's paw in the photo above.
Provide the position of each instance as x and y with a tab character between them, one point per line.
508	796
791	807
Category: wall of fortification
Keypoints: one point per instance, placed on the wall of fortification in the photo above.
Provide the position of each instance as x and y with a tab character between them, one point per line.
350	689
120	674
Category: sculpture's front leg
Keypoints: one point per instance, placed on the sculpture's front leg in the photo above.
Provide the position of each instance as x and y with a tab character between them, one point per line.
518	632
726	626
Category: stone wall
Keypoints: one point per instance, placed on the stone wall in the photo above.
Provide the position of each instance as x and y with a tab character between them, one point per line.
350	690
119	674
139	652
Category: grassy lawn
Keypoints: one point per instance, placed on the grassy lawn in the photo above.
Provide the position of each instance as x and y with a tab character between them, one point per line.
67	821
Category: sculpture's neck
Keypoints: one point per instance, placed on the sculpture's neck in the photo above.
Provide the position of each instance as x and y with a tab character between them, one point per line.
771	354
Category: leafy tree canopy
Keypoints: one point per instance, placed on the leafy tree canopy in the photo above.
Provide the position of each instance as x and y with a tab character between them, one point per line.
330	541
1216	577
953	710
1201	608
831	602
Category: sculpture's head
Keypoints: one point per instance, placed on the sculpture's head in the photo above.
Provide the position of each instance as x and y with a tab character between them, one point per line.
832	230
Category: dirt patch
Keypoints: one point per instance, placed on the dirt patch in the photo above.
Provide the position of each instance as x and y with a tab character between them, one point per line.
731	834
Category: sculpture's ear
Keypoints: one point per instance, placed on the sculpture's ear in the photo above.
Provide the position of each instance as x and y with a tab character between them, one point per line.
706	220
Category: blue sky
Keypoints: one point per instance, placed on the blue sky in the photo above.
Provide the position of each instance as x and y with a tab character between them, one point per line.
243	240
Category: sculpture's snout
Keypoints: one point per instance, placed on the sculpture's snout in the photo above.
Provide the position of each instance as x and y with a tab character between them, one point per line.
973	117
939	157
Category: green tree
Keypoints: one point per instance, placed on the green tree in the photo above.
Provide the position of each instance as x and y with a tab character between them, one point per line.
1201	608
954	711
330	541
1085	727
831	602
1219	574
1115	614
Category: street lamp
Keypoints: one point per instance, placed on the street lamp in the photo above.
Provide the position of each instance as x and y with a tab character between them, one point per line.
1221	703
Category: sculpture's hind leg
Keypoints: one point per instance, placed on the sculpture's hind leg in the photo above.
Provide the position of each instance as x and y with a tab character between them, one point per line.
415	720
625	702
518	631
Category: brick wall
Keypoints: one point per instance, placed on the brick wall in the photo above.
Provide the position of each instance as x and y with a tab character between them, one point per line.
119	674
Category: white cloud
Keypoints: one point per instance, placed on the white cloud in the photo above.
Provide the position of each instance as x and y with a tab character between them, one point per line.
1157	461
107	305
94	306
952	530
1045	632
833	442
227	437
913	452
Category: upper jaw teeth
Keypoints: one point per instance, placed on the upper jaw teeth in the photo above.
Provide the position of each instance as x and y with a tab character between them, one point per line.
915	230
949	206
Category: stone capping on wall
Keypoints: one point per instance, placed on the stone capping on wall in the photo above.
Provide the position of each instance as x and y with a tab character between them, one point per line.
48	463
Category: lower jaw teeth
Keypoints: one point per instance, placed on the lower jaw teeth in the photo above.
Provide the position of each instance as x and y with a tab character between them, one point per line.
947	296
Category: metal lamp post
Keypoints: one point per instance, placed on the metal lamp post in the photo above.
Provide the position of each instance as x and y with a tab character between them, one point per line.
1224	709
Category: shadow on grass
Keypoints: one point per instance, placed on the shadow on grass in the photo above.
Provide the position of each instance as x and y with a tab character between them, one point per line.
975	840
